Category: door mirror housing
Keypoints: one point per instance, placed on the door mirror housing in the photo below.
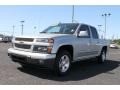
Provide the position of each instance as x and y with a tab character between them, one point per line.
83	34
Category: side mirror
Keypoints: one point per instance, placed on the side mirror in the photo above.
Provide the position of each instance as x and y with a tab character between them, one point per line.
72	31
83	34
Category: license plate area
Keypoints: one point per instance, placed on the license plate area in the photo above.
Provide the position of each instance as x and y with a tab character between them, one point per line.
19	58
24	59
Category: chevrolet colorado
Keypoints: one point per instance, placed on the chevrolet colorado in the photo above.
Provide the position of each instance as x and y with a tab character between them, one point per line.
58	46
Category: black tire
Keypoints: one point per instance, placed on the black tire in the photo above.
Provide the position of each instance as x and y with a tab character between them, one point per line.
102	57
58	66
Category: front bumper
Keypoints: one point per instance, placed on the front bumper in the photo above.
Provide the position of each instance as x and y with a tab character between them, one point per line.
46	60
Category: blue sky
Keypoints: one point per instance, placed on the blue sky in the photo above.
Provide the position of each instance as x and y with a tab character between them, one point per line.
43	16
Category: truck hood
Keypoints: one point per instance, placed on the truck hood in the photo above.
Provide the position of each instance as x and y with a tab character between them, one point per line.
45	36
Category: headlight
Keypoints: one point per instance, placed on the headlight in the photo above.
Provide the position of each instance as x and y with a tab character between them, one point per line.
42	49
45	40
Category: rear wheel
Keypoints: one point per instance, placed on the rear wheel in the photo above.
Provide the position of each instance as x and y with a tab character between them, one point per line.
102	57
62	63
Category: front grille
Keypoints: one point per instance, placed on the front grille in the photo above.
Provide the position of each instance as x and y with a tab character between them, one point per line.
24	39
23	46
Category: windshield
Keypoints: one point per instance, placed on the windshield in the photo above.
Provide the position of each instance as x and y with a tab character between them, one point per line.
62	29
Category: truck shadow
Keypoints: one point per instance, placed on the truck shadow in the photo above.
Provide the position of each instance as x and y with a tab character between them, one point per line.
79	71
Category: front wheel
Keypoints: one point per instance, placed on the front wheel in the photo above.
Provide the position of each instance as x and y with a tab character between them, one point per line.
62	63
102	57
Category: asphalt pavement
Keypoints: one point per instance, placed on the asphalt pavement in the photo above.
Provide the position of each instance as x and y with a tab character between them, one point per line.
82	73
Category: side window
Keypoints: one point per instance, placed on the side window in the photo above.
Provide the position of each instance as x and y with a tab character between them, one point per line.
84	29
94	32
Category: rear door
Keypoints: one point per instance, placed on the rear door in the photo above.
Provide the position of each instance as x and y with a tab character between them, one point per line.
95	45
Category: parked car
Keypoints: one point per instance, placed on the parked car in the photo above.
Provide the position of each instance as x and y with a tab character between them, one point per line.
6	39
1	37
114	46
58	46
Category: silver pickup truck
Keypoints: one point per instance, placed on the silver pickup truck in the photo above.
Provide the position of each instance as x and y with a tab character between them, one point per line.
58	46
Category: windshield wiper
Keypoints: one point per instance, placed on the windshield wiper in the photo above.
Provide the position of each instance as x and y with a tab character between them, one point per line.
55	32
42	32
51	32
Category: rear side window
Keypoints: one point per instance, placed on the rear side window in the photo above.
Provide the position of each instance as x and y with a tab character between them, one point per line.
94	32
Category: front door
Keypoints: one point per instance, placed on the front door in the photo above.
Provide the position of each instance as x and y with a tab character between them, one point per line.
84	41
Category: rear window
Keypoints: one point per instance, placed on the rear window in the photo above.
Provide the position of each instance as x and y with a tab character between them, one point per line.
94	32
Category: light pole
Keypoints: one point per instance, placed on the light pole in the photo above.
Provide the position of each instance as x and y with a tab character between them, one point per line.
35	29
13	30
72	13
105	15
22	26
99	27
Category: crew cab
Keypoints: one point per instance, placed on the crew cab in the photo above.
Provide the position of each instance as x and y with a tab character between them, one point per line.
58	46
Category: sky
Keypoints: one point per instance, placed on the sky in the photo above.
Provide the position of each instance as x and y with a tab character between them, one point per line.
42	16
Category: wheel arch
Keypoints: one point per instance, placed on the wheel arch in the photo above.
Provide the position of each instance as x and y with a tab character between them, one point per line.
104	48
68	47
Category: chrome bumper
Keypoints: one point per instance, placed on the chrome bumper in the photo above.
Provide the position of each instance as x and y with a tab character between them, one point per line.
31	55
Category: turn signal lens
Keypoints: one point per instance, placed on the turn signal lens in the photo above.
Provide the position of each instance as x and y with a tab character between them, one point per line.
50	40
49	49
